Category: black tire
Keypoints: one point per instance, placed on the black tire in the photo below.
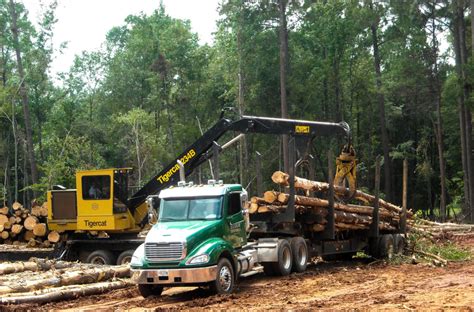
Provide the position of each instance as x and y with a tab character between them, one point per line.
101	257
386	246
268	269
300	254
147	290
285	259
400	243
225	278
125	257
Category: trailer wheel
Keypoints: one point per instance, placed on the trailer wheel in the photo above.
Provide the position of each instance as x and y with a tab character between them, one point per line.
147	290
285	259
300	254
400	243
125	257
225	279
101	257
386	246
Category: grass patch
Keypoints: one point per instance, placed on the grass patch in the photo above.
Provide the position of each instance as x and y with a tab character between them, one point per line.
446	250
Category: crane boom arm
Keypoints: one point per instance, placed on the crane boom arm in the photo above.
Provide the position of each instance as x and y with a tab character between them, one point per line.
201	149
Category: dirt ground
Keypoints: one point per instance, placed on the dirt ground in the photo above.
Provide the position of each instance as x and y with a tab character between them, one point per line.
336	285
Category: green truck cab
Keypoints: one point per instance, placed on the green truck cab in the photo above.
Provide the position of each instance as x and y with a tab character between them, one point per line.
199	232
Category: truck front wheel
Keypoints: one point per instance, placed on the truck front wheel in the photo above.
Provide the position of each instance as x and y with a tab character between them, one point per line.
147	290
225	279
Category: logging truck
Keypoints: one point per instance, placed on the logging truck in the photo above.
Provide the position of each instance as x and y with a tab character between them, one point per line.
209	235
100	223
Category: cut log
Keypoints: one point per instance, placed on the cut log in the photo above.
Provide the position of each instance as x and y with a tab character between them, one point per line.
3	219
5	234
44	210
33	243
352	218
12	220
16	206
4	210
68	278
7	225
16	228
65	293
282	178
257	200
46	244
253	208
2	228
30	222
29	235
270	196
345	226
39	229
317	228
54	237
18	220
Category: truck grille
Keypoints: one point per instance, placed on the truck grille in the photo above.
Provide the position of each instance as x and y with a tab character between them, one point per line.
164	251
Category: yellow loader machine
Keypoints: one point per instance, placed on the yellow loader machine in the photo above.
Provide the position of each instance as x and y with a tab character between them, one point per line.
100	204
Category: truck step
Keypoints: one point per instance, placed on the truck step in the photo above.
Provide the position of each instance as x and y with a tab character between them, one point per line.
254	271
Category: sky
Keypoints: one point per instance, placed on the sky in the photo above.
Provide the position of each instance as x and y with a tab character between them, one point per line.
83	24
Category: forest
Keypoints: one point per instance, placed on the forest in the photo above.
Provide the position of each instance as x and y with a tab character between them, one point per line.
400	73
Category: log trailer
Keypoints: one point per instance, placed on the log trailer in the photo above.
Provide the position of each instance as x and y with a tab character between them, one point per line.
204	235
100	202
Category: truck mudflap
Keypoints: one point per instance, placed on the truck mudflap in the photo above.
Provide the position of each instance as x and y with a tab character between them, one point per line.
175	276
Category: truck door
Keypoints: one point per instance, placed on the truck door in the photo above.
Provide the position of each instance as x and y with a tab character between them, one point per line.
235	221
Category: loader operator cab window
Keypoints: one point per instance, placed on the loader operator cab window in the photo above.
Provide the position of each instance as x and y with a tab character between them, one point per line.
96	187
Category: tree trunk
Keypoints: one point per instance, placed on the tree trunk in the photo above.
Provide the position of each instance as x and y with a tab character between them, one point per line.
381	105
24	95
460	53
283	34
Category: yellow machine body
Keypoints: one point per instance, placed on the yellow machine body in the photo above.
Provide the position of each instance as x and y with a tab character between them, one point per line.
94	205
346	176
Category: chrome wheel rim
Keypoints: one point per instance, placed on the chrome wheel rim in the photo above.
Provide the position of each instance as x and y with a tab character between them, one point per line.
126	260
286	258
225	278
302	255
98	260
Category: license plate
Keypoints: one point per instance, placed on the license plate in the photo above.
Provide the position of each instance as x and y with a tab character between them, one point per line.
162	272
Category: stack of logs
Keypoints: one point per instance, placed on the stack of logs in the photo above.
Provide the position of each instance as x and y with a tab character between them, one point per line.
313	210
20	225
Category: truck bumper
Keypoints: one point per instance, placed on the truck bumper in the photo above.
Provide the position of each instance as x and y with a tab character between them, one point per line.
175	276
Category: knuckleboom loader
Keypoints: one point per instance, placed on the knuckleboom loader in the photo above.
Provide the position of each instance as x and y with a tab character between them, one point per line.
204	236
100	202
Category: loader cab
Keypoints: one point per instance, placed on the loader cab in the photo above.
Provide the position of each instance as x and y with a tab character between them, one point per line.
99	202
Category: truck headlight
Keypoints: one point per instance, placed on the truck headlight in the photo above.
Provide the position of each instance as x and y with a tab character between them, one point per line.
204	258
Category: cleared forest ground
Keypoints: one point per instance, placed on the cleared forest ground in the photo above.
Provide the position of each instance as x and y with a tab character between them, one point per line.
327	285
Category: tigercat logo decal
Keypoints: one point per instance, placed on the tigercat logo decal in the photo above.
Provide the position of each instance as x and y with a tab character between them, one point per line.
92	224
302	129
166	177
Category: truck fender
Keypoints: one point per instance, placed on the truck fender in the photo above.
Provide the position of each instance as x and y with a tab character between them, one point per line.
216	247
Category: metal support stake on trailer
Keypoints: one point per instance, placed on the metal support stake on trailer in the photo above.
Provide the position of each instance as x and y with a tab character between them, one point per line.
374	227
291	159
259	174
329	230
403	216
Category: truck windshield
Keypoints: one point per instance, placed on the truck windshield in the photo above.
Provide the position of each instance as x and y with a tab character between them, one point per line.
190	209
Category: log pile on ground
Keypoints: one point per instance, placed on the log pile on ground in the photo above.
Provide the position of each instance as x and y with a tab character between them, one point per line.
440	230
313	211
57	280
20	226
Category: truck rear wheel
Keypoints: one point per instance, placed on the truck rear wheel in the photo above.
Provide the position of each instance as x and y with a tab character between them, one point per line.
285	259
300	254
225	279
386	246
147	290
399	241
101	257
125	257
